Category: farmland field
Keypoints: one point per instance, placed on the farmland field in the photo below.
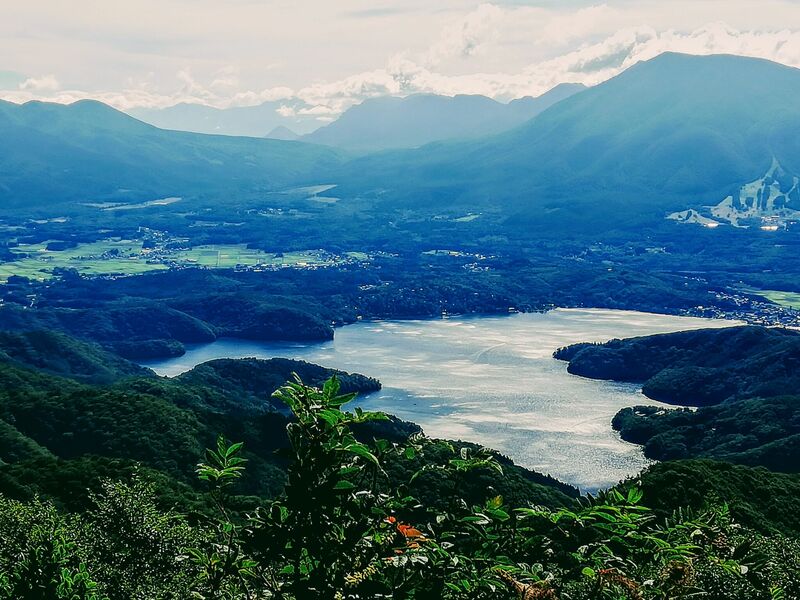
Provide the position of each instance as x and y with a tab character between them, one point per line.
233	255
128	257
105	257
788	299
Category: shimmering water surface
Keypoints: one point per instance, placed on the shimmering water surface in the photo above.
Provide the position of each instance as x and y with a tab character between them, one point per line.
490	380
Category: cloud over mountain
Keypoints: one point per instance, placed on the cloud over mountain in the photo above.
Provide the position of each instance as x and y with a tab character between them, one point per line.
502	50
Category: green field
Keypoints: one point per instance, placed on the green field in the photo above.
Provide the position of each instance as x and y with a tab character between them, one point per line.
788	299
236	255
106	257
127	257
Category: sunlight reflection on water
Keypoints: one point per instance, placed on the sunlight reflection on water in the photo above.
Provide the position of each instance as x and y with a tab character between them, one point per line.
490	380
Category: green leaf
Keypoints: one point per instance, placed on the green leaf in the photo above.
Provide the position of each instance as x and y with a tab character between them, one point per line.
361	450
331	387
495	502
332	417
233	448
498	514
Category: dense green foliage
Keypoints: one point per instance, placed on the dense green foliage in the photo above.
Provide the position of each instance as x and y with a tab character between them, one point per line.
59	354
155	314
144	329
697	368
249	382
757	497
759	431
344	529
161	423
59	436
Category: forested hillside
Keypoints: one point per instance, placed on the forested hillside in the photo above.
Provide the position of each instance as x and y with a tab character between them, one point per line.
87	151
696	368
742	379
405	520
57	428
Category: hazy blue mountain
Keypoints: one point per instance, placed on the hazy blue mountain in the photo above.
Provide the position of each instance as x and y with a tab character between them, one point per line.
253	121
282	132
393	122
667	133
86	151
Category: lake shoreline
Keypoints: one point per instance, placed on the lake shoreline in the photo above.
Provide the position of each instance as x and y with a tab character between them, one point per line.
490	380
155	358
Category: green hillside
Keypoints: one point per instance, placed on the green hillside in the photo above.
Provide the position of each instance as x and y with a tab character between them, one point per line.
89	152
366	520
696	368
742	378
667	133
62	355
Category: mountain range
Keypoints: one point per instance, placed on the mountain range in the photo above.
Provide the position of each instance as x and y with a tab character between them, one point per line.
375	124
392	122
666	134
88	151
673	133
252	121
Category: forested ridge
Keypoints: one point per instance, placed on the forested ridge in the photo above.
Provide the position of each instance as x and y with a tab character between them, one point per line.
742	378
349	524
107	491
60	428
696	368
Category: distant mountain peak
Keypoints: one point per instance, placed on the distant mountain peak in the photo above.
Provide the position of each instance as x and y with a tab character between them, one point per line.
281	132
419	119
245	121
88	151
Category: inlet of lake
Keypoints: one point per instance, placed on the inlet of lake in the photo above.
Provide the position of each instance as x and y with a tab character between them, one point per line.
490	380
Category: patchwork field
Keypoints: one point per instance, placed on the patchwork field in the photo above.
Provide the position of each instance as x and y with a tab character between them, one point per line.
239	255
127	257
106	257
788	299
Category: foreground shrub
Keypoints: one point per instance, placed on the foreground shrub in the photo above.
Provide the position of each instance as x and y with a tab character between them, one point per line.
344	529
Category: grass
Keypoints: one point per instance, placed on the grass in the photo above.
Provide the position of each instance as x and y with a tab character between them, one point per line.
781	298
126	257
788	299
234	255
106	257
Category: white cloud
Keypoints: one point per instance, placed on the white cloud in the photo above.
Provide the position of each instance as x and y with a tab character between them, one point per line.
464	37
499	50
227	80
250	98
46	83
589	64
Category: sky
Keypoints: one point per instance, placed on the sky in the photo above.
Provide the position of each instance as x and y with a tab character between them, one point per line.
320	57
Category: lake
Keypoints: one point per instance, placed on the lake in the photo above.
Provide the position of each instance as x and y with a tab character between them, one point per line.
490	380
